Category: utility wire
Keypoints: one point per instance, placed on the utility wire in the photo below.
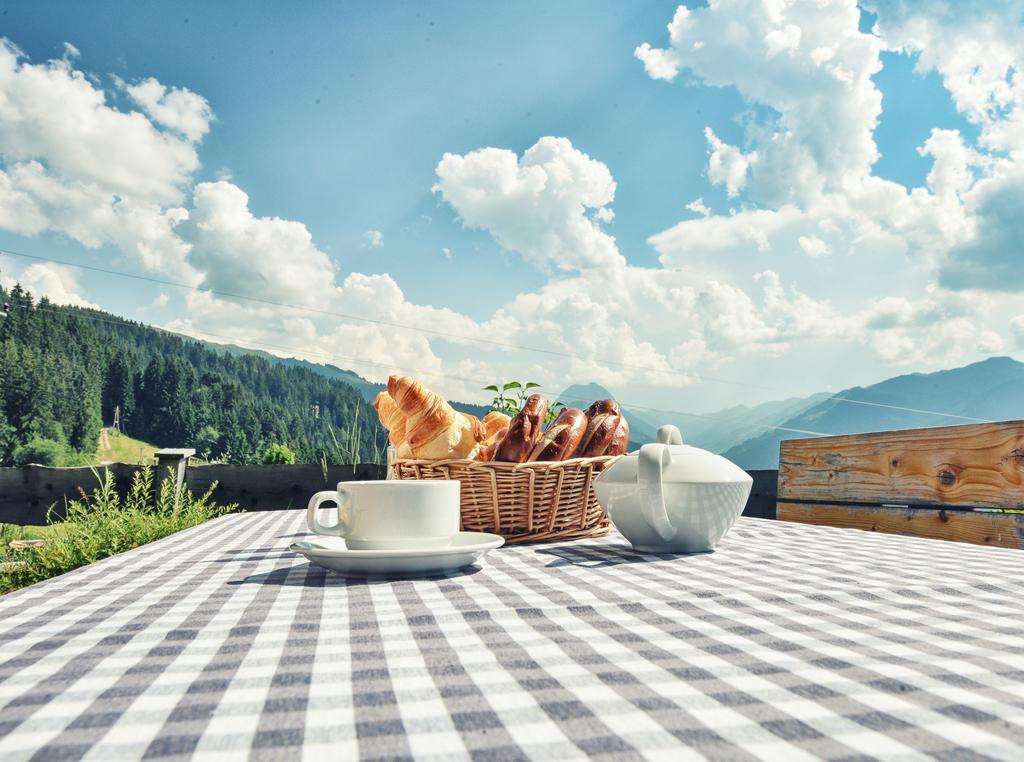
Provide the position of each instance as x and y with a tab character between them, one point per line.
491	342
335	358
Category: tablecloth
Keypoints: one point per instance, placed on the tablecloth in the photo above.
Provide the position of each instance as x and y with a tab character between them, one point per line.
789	642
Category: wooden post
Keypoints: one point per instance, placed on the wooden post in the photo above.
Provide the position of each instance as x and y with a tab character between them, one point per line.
177	461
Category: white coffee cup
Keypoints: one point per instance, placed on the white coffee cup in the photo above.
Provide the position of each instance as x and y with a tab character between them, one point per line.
390	514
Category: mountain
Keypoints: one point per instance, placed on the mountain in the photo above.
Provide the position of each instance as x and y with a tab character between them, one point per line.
66	371
992	389
715	431
368	389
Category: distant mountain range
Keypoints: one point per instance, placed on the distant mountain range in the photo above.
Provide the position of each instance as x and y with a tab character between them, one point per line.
992	389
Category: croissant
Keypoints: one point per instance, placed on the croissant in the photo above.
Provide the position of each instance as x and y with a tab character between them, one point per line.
434	430
391	418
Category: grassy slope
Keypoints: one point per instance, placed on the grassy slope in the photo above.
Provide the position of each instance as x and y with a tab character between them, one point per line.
124	449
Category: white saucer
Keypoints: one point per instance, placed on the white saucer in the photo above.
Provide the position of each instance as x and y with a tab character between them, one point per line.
466	548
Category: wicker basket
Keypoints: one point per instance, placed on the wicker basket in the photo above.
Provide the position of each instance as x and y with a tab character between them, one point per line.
523	502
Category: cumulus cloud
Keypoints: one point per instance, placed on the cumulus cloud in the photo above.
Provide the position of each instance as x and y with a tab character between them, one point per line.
1017	331
537	205
72	163
57	283
374	238
727	165
174	107
991	259
239	253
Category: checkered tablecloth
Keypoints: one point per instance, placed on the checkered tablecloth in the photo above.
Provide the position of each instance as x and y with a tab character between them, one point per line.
790	642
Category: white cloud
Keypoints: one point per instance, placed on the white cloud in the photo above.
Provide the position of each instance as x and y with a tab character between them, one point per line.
991	258
446	252
161	300
774	57
727	165
374	238
1017	331
813	246
536	206
174	107
72	163
57	283
239	253
991	343
697	206
53	114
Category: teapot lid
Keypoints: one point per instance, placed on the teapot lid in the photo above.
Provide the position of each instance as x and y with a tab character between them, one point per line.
688	464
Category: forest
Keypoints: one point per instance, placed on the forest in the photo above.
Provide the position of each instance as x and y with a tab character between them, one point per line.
65	371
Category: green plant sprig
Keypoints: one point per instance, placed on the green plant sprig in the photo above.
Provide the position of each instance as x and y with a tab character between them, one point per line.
511	396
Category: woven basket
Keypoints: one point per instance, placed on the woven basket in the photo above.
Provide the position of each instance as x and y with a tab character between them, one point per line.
523	502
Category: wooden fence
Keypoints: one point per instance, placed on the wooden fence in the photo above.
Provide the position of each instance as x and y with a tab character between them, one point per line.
949	482
27	493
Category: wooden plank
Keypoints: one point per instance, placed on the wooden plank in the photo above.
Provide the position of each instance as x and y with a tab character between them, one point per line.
274	487
761	503
978	465
27	493
1004	530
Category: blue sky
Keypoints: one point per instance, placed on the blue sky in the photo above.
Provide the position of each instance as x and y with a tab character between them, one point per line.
335	118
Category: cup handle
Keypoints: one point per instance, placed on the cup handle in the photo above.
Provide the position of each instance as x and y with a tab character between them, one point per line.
650	467
343	498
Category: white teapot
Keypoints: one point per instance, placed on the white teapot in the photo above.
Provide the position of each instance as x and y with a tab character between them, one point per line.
672	498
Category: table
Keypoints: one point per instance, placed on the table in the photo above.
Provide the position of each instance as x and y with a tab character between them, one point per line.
790	642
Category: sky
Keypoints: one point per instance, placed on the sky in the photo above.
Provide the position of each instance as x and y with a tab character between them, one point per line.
694	206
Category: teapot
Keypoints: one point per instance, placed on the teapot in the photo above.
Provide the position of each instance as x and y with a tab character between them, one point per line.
673	498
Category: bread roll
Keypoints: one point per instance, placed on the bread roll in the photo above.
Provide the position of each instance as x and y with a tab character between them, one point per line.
523	431
560	440
603	417
620	441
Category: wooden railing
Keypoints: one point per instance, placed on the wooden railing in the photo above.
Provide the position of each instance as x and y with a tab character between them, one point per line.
949	482
27	493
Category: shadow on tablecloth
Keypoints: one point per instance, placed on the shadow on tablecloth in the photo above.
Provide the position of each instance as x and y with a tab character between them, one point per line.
597	556
310	575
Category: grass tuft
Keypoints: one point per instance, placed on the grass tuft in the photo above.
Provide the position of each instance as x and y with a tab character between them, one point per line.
101	524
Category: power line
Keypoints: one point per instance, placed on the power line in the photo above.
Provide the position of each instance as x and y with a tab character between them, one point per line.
79	313
491	342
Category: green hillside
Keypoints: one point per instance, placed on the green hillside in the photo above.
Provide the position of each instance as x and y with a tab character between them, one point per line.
64	372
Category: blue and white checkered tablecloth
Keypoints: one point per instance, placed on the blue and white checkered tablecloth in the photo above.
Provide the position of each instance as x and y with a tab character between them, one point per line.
790	642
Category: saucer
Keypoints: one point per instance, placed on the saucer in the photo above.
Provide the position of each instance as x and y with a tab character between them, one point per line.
466	548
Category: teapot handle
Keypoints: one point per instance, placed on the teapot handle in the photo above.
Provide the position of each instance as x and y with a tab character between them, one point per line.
650	467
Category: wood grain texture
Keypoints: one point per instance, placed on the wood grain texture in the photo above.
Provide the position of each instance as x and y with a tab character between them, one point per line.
1004	530
978	465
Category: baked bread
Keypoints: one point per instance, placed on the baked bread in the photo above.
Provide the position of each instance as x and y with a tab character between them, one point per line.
391	418
560	440
434	430
620	441
523	431
494	422
604	417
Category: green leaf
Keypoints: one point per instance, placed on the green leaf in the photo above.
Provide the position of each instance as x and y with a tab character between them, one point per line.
491	388
532	385
511	385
